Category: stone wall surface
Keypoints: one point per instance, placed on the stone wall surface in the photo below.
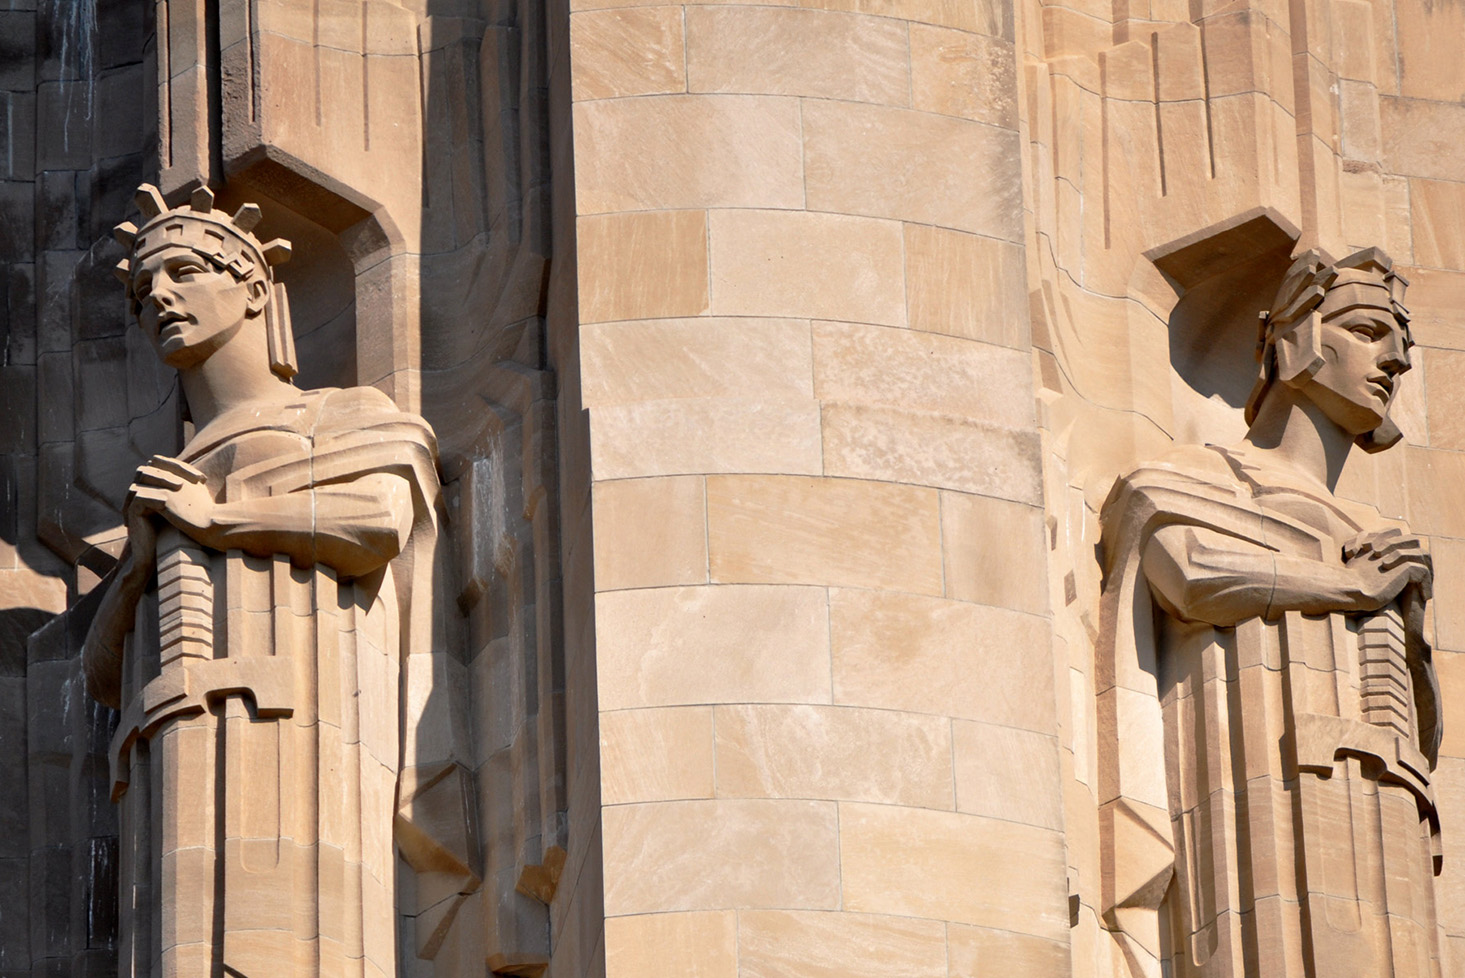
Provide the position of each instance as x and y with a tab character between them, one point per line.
781	357
806	363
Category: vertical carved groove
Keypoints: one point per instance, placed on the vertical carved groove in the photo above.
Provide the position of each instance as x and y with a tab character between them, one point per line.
251	69
1159	127
165	85
1105	149
213	56
365	78
1205	80
315	53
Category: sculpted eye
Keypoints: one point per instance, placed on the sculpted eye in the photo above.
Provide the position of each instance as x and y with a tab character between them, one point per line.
1366	331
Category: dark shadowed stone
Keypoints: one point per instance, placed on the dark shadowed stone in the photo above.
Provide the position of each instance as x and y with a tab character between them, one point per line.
101	893
17	221
18	409
123	31
16	626
20	300
14	921
51	879
56	211
17	60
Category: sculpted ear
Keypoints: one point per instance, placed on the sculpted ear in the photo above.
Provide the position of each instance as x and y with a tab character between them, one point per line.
258	296
1299	351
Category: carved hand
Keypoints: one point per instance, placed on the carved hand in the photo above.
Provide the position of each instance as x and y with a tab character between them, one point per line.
101	653
174	490
1387	562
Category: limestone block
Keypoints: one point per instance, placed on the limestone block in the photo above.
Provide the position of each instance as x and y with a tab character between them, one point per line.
1433	480
1437	211
979	951
840	753
645	265
17	48
715	434
1450	886
1358	116
18	139
1449	610
650	533
18	404
687	151
704	357
1451	668
286	19
721	644
970	527
1445	399
932	655
1435	297
897	445
1354	46
786	530
24	588
699	944
1420	136
812	53
1398	225
898	367
966	285
1023	762
1430	65
1070	32
1363	207
808	944
949	866
959	73
61	105
818	266
632	51
912	166
712	855
656	754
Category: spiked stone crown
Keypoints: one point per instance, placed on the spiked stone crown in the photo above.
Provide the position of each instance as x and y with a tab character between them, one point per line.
228	242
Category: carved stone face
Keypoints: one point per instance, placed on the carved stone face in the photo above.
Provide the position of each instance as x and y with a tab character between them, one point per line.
188	307
1364	352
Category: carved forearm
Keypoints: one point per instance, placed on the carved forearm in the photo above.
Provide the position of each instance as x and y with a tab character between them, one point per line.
354	527
1201	575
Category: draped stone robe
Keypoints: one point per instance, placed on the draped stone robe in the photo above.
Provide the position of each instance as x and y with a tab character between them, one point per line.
257	758
1265	796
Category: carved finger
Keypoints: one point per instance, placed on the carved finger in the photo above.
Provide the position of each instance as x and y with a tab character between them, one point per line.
1362	543
1413	543
177	467
1400	558
151	475
148	499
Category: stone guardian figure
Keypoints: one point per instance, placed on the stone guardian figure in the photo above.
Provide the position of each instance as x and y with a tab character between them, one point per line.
1268	712
277	573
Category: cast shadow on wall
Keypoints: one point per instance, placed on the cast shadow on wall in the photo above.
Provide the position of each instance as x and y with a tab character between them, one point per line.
1223	275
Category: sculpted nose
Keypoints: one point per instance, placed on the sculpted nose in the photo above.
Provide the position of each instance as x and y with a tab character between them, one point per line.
1395	359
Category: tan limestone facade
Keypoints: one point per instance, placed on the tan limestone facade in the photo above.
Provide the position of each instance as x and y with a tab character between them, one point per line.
600	488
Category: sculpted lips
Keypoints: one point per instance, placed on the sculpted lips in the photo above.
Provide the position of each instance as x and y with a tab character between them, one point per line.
169	320
1384	383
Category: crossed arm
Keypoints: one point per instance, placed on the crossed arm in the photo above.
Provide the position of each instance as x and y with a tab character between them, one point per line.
1198	574
354	527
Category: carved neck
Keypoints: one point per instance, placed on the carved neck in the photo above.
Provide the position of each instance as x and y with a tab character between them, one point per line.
236	374
1294	432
